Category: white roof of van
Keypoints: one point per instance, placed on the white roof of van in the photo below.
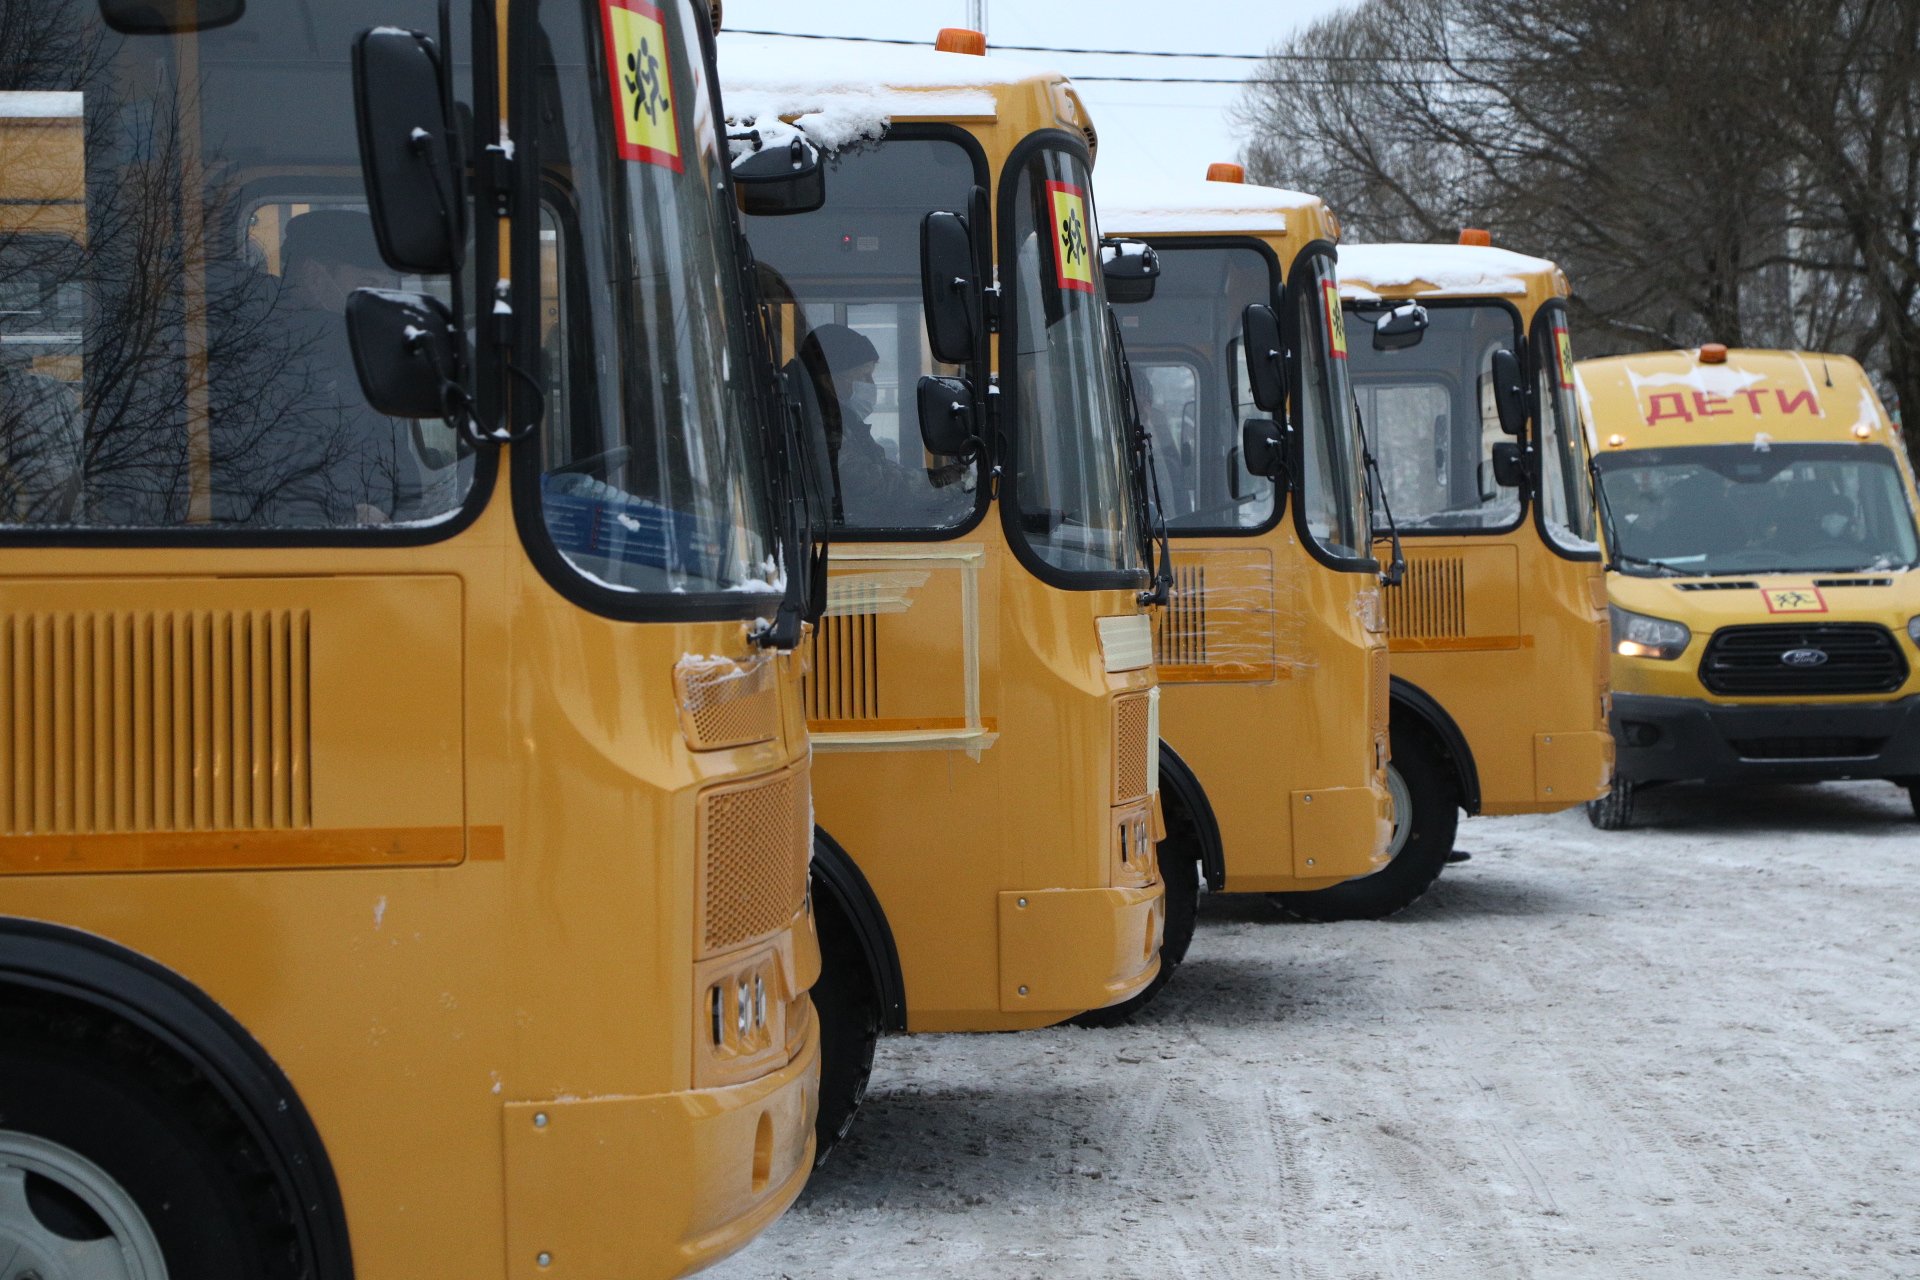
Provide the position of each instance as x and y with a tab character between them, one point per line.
1449	268
1170	206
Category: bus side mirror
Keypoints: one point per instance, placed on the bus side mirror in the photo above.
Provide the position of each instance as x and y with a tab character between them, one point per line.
1130	268
949	286
403	350
1509	393
946	414
775	181
170	17
1509	466
412	177
1266	361
1260	446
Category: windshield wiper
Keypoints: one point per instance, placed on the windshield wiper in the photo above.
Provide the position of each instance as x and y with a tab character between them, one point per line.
1398	568
1153	512
1660	567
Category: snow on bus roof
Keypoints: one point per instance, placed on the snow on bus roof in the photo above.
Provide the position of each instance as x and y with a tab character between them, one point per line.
851	91
1448	268
1169	207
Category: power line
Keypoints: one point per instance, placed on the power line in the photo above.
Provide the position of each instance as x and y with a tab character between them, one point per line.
1131	53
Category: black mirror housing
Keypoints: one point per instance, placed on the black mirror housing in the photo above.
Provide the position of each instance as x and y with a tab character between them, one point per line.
170	17
1260	446
946	415
404	351
1509	393
1130	269
776	181
406	141
1509	465
1266	356
949	287
1400	328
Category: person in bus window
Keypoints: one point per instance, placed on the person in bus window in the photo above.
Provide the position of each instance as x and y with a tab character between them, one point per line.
868	488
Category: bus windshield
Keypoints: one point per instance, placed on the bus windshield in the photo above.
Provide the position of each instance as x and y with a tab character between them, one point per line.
1566	485
844	282
650	468
1333	494
182	219
1189	375
1429	411
1073	478
1726	508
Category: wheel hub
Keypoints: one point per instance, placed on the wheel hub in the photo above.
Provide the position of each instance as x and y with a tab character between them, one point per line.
63	1217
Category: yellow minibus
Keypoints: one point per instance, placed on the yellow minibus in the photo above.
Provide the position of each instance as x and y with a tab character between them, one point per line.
1462	369
980	693
1759	516
403	791
1272	654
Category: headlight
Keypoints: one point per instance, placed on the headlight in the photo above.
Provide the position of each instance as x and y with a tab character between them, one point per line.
1635	635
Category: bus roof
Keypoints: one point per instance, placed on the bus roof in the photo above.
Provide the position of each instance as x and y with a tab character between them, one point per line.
1174	207
840	92
1444	271
1674	398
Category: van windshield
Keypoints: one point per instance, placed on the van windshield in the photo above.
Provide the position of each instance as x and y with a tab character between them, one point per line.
1727	508
181	221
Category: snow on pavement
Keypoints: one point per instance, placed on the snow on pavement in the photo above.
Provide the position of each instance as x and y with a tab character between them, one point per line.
1686	1050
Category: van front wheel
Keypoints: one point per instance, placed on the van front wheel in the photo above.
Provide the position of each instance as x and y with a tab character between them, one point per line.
1614	810
1426	810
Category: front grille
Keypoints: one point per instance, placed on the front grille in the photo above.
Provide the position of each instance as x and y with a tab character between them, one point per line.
1716	586
725	703
755	840
1746	661
1431	600
1853	582
1130	716
1828	748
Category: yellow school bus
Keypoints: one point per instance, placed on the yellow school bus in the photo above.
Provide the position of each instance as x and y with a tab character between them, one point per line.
1271	652
1462	370
1758	508
403	820
980	693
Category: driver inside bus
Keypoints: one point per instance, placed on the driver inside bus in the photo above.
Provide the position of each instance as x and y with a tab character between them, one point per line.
868	487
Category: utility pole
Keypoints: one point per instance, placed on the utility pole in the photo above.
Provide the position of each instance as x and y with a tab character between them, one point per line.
977	15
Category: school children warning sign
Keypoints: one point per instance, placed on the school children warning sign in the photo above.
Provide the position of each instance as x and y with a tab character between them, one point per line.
1336	319
1072	236
644	101
1564	345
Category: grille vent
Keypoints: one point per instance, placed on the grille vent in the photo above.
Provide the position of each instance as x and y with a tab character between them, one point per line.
1431	600
1716	586
1807	748
756	842
1745	661
843	677
1130	745
726	704
1181	637
1380	673
1853	582
154	721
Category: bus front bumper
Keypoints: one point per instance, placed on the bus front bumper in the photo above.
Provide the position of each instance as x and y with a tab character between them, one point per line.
656	1186
1065	951
1664	739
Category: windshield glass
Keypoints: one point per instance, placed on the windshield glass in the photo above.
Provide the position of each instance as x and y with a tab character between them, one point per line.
1566	487
850	330
1074	482
1189	375
650	462
1333	494
1429	411
181	222
1727	508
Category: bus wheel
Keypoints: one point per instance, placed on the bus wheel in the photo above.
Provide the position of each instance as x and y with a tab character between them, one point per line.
120	1161
848	1007
1179	857
1423	787
1614	810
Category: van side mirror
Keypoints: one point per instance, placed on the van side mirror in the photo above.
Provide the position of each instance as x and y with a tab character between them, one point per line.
1509	465
779	180
404	351
1266	356
949	286
1509	393
170	17
1400	328
407	151
946	414
1260	446
1130	268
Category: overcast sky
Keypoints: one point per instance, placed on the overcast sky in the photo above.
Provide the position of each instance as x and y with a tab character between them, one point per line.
1145	129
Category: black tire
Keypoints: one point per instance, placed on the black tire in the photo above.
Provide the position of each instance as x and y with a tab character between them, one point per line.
848	1007
1614	810
78	1083
1434	791
1179	860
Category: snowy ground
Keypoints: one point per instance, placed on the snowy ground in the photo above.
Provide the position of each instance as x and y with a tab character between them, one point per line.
1687	1050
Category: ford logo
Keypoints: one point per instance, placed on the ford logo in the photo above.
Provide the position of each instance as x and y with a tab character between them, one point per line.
1804	657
